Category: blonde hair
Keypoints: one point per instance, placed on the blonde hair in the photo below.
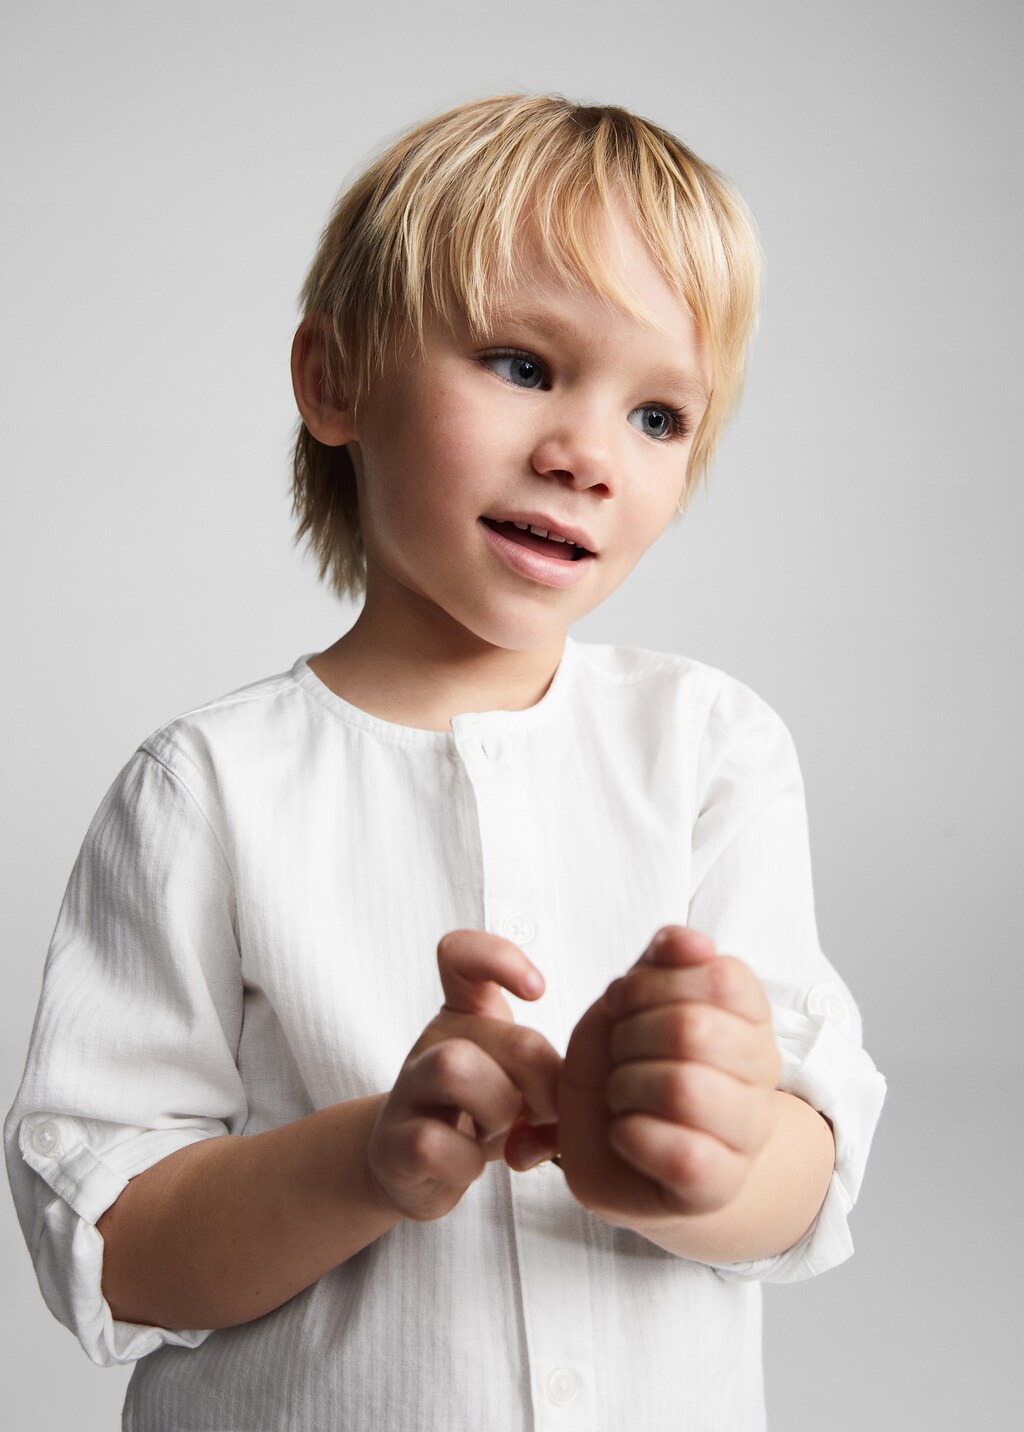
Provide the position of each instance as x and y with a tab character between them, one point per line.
435	225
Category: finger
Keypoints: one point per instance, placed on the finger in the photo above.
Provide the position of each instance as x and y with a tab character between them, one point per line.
697	1172
678	947
724	982
418	1156
475	965
525	1056
457	1075
695	1096
526	1147
702	1033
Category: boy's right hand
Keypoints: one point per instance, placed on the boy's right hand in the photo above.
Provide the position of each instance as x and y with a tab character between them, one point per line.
466	1081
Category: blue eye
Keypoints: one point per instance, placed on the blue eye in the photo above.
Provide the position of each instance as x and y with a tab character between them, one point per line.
657	422
520	369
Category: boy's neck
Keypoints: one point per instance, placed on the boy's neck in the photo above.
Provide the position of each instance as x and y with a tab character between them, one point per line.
422	677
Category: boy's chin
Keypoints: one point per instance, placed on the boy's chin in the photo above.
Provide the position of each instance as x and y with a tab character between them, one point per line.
524	637
525	648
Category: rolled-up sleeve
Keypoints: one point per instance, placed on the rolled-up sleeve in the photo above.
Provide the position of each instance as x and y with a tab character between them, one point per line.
133	1051
752	893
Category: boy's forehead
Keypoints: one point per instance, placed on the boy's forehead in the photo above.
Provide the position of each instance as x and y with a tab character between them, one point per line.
628	293
599	255
607	259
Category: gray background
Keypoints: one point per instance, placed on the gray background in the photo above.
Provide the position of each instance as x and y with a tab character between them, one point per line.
166	168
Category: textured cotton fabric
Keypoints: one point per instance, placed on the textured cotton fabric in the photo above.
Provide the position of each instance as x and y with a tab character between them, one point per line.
249	935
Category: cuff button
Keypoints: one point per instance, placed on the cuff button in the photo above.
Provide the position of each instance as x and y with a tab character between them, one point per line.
46	1139
825	1001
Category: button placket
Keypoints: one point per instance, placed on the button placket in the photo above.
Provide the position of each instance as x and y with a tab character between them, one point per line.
550	1245
475	745
557	1309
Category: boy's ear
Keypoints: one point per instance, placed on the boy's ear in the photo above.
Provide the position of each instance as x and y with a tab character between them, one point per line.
331	422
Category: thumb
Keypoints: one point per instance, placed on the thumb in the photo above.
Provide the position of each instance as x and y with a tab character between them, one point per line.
677	947
476	966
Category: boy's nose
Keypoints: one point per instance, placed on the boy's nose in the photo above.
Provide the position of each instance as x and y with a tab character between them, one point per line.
578	451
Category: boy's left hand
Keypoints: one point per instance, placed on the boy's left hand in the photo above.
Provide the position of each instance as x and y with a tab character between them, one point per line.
665	1096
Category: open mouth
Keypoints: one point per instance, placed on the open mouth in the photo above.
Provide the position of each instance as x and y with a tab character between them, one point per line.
524	536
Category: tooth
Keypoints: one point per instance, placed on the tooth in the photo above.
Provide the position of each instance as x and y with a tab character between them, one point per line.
523	526
539	531
553	537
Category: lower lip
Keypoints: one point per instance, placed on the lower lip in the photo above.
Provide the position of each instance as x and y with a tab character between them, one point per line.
549	571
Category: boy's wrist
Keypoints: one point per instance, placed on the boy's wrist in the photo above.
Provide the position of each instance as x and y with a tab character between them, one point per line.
778	1200
375	1195
362	1182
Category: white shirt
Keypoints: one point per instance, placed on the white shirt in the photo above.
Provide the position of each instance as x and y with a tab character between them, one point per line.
249	934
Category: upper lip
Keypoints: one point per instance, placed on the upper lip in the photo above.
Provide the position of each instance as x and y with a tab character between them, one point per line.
577	535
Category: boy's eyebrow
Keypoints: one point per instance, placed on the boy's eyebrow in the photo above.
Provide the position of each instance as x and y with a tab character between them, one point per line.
690	381
551	325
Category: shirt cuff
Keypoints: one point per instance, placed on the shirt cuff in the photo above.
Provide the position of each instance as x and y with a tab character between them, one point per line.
827	1068
87	1164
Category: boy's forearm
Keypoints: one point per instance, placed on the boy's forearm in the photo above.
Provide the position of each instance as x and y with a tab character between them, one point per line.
230	1228
778	1202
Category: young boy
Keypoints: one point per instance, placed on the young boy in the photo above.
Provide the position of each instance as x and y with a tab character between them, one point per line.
248	1151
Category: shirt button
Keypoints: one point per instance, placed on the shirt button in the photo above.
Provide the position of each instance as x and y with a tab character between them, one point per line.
825	1001
520	928
46	1140
563	1385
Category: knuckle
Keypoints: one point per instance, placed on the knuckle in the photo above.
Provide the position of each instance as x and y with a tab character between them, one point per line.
454	1060
631	989
526	1045
688	1163
692	1026
686	1090
448	946
427	1140
417	1144
728	976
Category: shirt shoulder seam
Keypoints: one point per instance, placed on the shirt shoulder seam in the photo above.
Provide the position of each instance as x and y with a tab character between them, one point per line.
178	780
264	690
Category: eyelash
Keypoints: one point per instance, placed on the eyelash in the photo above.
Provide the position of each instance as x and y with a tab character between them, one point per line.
679	425
678	421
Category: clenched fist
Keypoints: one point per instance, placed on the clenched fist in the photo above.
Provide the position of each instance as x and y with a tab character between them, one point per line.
666	1095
